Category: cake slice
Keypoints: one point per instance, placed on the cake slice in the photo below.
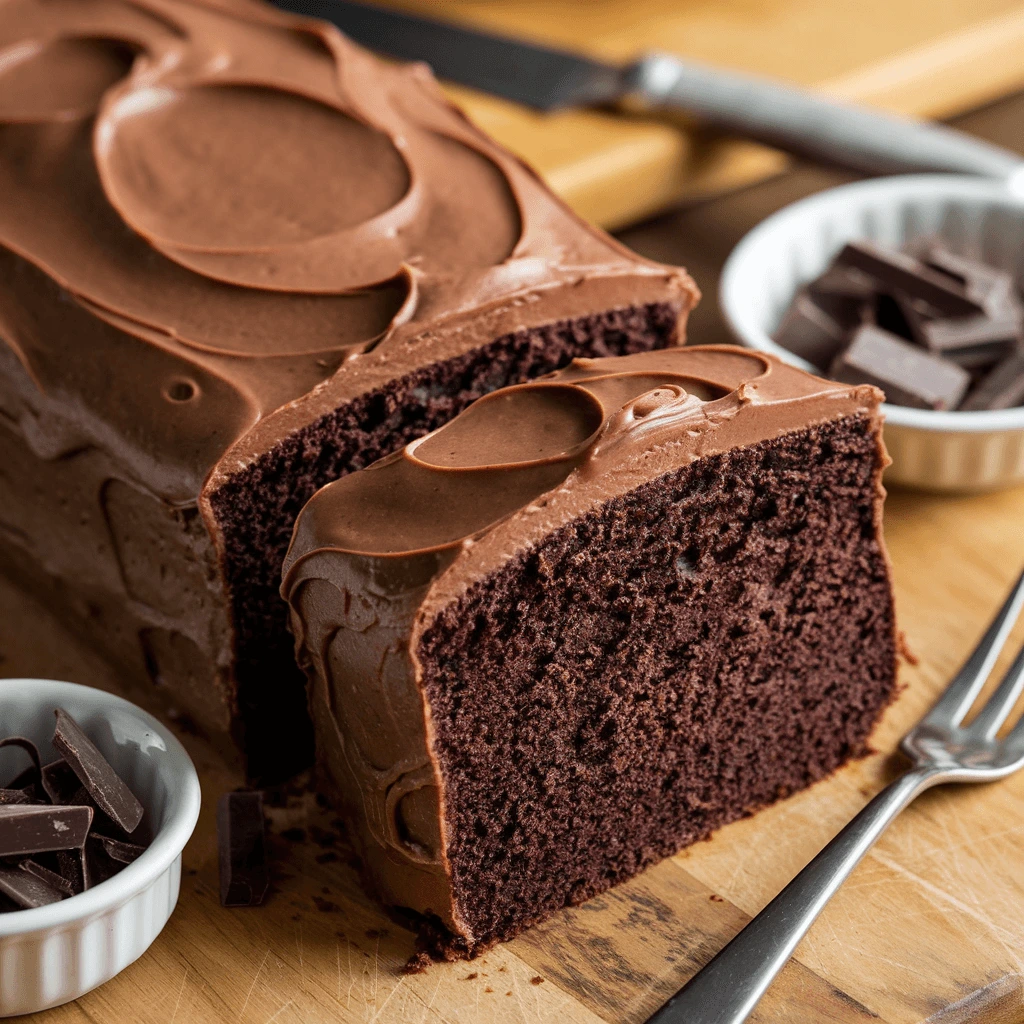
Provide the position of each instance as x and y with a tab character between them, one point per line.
589	621
239	258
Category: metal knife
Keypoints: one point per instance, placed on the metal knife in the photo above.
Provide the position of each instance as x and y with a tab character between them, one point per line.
779	115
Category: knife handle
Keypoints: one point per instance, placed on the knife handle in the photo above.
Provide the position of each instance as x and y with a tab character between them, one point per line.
807	125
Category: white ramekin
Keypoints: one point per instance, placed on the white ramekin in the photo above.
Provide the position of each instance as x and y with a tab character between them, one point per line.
53	954
946	451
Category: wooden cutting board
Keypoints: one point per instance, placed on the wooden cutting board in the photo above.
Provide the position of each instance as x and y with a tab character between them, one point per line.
929	928
930	58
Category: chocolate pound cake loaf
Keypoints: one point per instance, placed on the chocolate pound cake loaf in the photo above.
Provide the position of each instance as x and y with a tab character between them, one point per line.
589	621
239	258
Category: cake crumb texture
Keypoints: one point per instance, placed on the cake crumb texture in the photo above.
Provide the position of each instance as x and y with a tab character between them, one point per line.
256	508
687	653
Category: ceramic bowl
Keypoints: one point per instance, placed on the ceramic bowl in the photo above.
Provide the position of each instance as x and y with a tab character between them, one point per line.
56	953
942	451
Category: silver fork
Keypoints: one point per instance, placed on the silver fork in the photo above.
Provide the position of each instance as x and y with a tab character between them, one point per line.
941	749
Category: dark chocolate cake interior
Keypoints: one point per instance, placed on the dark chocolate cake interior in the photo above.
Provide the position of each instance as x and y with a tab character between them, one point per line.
256	509
683	655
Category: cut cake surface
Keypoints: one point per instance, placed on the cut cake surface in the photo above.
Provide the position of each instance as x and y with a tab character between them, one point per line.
240	257
589	621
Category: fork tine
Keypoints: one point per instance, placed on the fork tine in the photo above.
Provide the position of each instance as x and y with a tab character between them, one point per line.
1001	703
951	707
1013	741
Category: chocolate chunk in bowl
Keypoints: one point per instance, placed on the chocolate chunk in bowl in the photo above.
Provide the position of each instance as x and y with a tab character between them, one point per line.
972	219
73	795
907	375
30	828
914	325
130	907
27	890
95	773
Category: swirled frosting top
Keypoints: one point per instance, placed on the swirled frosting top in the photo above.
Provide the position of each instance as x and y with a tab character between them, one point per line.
376	555
651	410
212	208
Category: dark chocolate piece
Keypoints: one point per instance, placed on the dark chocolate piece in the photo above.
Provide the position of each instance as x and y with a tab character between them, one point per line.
62	785
844	293
27	890
17	796
70	868
899	314
244	874
907	374
30	775
51	878
117	849
898	271
959	334
843	282
97	864
35	828
1003	388
979	359
992	288
808	331
94	770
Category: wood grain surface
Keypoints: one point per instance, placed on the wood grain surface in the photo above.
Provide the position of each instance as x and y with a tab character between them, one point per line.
930	927
930	58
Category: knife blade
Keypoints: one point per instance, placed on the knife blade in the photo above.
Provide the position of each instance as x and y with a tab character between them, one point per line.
537	76
780	115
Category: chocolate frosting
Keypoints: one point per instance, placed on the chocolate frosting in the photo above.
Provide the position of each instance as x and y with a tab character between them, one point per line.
377	555
221	221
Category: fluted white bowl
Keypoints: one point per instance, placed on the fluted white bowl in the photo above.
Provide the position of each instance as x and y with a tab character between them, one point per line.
54	954
945	451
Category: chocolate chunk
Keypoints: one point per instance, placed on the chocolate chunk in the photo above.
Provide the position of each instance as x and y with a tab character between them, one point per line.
99	778
810	332
97	864
842	282
900	315
898	271
18	796
117	849
30	775
34	828
70	868
1002	388
244	874
51	878
973	334
844	293
27	890
62	785
907	375
978	360
992	288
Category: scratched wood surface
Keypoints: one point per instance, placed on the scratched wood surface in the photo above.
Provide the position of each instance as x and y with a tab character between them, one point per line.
930	58
930	928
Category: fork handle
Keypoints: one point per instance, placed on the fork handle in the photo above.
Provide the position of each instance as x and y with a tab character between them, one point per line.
728	988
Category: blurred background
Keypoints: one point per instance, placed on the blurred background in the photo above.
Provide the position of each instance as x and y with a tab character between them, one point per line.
676	192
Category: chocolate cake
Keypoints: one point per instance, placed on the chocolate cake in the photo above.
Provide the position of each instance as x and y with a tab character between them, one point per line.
590	620
239	258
